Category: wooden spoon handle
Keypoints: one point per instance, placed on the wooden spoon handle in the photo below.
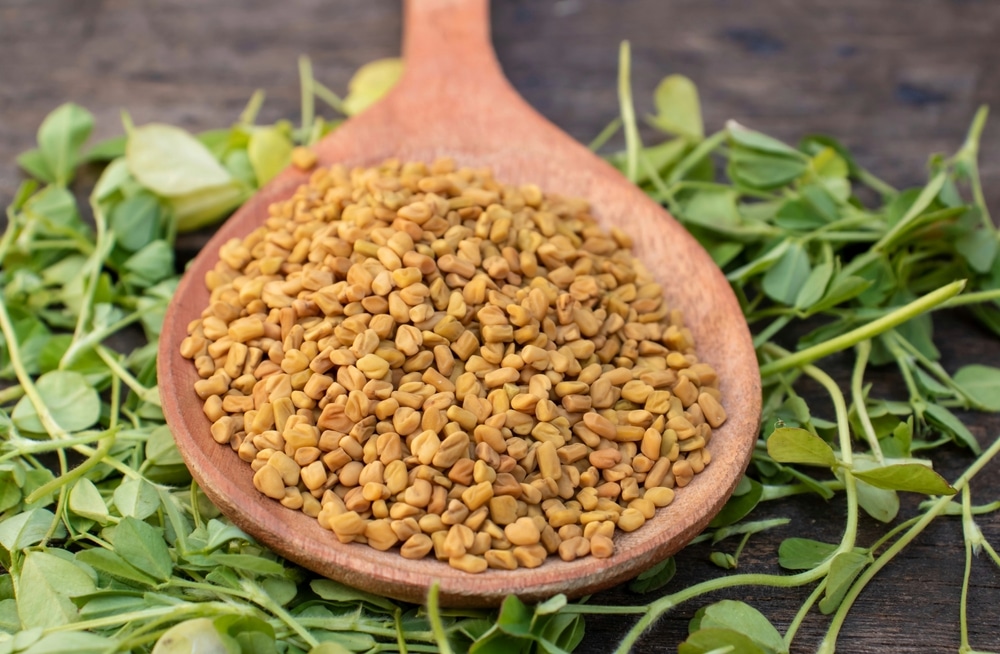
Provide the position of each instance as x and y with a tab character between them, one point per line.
446	46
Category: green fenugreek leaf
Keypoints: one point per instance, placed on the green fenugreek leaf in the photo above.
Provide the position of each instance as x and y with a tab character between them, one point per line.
143	546
793	445
912	477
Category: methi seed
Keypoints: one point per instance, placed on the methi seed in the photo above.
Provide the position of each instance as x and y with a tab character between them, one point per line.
420	357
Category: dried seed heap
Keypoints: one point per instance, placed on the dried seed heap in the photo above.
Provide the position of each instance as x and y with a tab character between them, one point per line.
421	357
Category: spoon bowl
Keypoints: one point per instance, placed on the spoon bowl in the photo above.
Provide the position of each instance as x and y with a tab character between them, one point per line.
454	101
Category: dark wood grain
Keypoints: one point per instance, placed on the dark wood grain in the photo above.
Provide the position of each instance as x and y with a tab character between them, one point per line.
893	80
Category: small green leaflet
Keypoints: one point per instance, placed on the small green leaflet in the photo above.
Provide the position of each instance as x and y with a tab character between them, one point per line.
786	278
143	546
654	578
249	563
206	206
794	445
881	504
270	152
678	110
982	383
912	477
744	499
71	642
803	553
814	287
946	421
844	568
719	641
195	635
136	221
60	137
72	402
109	563
25	529
86	501
370	83
46	584
136	498
740	618
170	162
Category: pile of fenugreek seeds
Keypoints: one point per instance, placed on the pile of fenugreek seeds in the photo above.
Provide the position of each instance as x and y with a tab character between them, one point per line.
422	357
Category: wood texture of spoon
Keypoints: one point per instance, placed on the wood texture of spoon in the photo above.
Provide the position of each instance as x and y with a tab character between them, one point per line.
454	101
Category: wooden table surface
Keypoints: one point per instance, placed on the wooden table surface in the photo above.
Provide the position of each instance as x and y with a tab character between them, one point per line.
894	80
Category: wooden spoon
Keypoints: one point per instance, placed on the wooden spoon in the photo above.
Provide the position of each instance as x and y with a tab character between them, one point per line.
454	101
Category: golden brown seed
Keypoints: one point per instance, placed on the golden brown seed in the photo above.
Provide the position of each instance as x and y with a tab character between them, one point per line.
601	546
501	559
383	320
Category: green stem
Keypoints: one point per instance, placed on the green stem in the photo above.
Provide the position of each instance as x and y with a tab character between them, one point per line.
977	297
926	196
705	148
963	623
145	394
174	612
397	618
858	397
971	147
632	142
10	394
326	95
846	455
830	641
72	475
27	384
252	110
903	363
102	247
24	446
262	599
96	336
768	333
654	610
874	183
803	611
992	552
865	332
609	130
434	616
308	94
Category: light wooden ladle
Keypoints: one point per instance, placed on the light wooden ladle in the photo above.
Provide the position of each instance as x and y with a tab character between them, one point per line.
453	100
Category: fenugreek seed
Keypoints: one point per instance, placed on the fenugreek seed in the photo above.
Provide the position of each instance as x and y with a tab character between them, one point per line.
683	473
363	359
500	377
347	526
659	496
478	495
303	158
714	414
501	559
686	391
600	425
416	546
630	520
601	546
268	481
548	460
530	556
468	563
